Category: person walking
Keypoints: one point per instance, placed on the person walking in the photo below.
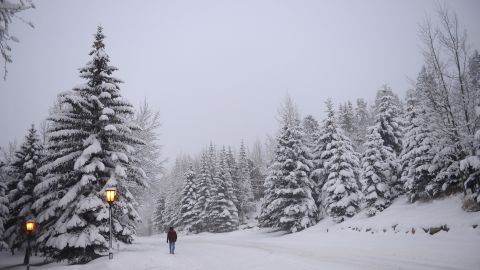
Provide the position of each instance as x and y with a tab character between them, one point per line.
171	239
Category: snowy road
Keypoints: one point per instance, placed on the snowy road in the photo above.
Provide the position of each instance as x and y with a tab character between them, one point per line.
255	250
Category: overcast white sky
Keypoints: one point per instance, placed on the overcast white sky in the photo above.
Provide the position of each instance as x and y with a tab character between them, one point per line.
218	70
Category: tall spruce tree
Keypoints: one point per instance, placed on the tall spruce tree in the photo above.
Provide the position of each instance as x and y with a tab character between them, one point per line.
189	196
204	193
245	194
310	129
346	119
376	174
89	143
157	216
233	172
363	120
288	203
390	126
23	170
223	216
4	212
388	114
229	189
418	145
257	169
341	196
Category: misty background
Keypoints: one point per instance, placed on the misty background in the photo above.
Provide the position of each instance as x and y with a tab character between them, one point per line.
218	70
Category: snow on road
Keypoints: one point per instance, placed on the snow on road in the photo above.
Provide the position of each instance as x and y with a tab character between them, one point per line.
340	248
256	249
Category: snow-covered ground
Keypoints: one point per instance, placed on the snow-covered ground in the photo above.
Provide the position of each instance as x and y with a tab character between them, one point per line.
340	248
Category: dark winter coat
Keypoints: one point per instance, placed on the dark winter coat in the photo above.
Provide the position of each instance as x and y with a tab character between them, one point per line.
171	236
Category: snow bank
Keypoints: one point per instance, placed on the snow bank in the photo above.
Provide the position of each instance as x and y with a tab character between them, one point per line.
402	216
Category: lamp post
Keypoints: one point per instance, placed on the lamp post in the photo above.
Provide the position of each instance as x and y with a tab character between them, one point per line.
110	194
29	226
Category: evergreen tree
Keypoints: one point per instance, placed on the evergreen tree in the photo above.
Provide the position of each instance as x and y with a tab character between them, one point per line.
233	172
157	216
23	170
341	167
4	212
389	125
376	173
223	216
288	202
245	194
189	196
171	215
204	193
416	156
257	167
174	184
310	129
229	189
346	119
363	120
89	144
388	112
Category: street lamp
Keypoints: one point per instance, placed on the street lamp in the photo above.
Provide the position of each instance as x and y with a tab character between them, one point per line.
29	226
110	194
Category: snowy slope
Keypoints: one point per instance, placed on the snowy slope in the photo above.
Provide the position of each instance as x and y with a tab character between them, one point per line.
315	248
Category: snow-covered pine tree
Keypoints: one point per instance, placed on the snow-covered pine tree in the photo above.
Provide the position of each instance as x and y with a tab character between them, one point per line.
310	130
233	171
89	144
171	212
245	194
387	117
311	134
212	160
204	193
318	174
341	196
23	170
346	119
376	174
418	145
258	169
223	214
390	126
157	216
189	196
288	203
363	120
172	188
4	212
229	189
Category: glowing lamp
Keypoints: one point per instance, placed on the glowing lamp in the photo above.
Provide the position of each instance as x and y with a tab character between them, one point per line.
30	225
110	194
